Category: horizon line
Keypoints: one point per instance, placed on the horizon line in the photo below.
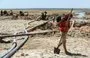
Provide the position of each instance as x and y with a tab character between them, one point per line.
42	8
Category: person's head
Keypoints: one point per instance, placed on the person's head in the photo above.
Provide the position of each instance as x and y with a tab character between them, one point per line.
63	14
45	12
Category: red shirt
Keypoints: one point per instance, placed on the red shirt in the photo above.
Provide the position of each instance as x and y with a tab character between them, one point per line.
65	26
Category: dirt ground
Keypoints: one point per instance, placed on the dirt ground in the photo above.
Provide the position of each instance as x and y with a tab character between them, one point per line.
41	46
11	26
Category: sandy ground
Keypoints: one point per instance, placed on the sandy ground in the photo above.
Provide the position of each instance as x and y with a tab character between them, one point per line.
11	26
41	46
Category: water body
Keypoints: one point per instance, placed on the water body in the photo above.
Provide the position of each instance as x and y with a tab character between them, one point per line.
46	9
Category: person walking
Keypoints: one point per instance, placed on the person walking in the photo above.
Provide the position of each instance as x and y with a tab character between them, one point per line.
64	26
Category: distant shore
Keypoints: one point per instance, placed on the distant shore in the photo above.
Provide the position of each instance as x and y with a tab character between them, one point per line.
44	8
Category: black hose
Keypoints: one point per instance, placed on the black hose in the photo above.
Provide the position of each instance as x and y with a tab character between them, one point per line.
11	53
14	46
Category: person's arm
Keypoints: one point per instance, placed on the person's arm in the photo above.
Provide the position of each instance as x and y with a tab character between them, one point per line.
72	24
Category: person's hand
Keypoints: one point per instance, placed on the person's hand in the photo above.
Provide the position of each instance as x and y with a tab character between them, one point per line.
71	29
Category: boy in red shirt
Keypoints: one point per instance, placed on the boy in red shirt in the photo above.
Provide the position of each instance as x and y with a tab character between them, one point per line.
64	26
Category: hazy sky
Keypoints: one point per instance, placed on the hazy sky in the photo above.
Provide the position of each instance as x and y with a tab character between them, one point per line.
44	3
